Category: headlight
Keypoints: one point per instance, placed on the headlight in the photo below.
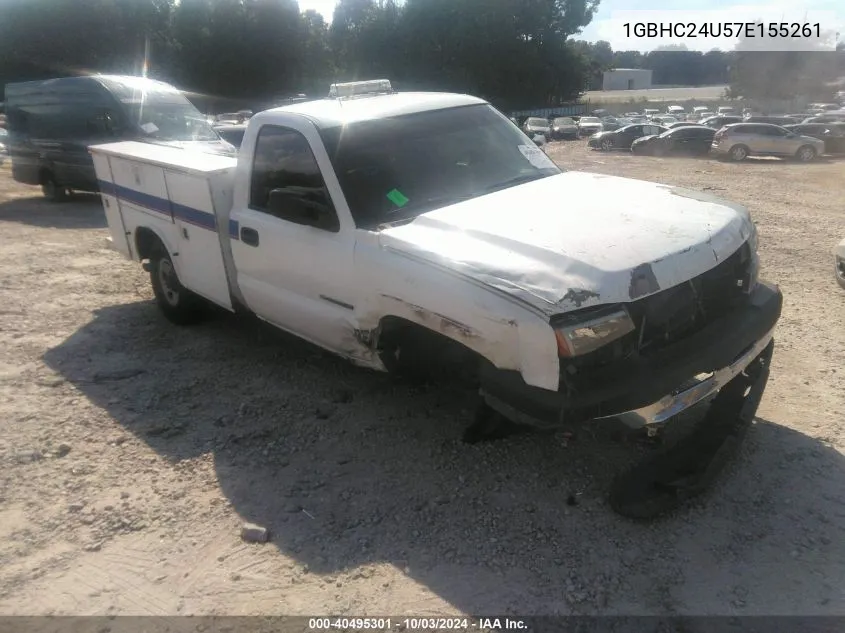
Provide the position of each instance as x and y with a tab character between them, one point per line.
754	266
577	339
753	239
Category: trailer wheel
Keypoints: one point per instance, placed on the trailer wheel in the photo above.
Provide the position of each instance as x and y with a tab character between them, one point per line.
179	305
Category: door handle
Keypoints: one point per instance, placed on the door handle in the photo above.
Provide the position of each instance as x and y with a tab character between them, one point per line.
249	236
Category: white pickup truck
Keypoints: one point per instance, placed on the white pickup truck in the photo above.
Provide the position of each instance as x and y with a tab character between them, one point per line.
395	228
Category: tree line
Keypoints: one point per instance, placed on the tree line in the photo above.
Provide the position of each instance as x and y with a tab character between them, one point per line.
670	65
516	53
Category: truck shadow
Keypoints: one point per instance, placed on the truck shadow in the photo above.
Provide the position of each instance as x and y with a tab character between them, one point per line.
81	211
347	467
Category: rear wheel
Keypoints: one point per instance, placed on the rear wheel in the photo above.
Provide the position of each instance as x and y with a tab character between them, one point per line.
179	305
739	152
52	190
805	154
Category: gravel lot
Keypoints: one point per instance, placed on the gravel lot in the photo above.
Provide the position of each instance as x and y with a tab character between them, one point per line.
132	451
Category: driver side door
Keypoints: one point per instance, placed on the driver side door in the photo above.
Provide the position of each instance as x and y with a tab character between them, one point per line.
294	272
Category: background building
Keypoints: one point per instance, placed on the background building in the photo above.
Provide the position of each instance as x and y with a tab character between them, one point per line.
626	79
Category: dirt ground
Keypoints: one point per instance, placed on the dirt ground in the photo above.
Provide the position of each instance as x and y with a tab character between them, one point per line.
132	451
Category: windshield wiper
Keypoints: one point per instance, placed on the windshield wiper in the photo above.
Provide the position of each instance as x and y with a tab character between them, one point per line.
512	182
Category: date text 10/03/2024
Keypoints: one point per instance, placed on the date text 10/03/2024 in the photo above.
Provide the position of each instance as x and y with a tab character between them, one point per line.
417	624
792	30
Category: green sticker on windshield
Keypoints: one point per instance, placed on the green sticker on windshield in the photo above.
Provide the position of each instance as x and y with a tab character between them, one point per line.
397	198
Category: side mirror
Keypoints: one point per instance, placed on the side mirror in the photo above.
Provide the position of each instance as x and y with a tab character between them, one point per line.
294	207
539	140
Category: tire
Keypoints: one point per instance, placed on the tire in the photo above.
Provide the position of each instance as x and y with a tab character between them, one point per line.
52	190
178	304
739	153
606	144
805	154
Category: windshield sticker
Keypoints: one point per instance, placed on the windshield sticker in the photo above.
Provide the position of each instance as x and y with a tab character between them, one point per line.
150	128
536	157
397	198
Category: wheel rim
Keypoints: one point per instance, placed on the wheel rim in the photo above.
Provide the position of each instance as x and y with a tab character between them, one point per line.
168	281
606	144
806	154
739	153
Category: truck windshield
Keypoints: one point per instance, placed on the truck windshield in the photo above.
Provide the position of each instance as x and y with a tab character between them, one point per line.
399	167
170	121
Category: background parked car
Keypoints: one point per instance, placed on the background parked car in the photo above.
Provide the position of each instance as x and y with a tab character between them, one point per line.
689	140
672	126
664	119
564	127
839	263
233	134
536	125
831	117
623	137
726	111
589	125
774	120
610	123
719	121
740	140
832	134
4	151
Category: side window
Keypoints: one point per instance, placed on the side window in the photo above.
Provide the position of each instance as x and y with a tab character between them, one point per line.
102	122
284	163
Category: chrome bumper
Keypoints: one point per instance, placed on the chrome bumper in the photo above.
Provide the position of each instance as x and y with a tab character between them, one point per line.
693	391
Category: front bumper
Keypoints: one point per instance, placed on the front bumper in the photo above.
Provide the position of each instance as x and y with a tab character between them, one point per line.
839	263
645	392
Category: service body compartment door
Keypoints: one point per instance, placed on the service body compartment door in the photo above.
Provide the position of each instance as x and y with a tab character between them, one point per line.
141	194
117	229
200	266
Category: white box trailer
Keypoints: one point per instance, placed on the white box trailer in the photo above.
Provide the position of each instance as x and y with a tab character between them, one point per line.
184	197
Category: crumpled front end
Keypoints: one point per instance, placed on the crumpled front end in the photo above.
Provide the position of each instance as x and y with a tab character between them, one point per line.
682	345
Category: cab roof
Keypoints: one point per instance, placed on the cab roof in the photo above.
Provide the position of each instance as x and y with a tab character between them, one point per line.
329	113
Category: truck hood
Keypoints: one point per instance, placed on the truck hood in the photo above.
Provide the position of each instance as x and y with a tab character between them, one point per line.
577	239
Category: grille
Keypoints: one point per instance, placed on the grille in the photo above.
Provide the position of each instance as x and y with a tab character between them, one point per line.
678	312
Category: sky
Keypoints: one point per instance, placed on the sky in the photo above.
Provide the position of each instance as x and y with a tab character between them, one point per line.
613	14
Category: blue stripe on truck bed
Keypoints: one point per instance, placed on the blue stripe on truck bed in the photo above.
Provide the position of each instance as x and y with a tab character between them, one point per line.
169	209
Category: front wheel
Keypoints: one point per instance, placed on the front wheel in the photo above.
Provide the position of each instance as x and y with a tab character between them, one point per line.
179	305
606	144
805	154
